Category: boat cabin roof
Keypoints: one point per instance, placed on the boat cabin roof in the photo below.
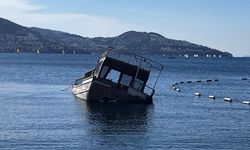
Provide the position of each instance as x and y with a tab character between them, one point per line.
126	68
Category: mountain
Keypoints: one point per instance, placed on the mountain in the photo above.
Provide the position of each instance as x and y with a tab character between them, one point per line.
14	36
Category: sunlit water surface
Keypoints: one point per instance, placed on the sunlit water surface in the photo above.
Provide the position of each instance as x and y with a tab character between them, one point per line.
37	113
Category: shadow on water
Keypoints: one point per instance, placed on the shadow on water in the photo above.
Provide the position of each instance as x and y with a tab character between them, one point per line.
115	122
112	113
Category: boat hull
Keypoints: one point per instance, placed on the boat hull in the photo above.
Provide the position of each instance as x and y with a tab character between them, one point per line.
99	90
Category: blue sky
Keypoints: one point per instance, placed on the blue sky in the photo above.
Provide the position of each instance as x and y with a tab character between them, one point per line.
221	24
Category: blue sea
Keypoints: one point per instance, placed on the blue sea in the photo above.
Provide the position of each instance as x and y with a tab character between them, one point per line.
38	110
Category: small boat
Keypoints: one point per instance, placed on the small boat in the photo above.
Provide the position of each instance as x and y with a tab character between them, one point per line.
119	76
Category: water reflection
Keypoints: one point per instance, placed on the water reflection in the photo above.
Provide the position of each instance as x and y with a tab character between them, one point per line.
118	122
106	114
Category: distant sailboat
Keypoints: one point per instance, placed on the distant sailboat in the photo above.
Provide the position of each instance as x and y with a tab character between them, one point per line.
196	55
74	52
209	56
38	52
18	51
63	52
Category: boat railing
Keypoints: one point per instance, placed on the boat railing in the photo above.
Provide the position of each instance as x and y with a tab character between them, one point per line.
140	62
149	90
79	82
132	59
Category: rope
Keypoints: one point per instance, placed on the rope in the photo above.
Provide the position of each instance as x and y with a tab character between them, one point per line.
66	88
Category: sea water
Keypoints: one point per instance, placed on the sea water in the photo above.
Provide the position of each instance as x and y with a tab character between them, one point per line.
38	110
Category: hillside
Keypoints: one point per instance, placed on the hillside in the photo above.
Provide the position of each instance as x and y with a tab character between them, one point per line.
14	36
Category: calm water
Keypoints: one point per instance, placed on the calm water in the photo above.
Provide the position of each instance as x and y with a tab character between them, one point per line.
36	114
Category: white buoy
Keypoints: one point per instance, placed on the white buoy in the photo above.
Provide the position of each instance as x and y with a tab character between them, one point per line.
178	90
246	102
172	85
197	94
228	99
211	97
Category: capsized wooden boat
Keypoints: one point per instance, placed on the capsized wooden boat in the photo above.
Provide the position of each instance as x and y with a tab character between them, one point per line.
119	76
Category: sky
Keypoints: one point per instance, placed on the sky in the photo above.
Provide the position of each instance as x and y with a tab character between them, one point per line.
220	24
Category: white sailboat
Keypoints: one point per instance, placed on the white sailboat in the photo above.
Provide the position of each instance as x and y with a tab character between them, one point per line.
18	51
63	52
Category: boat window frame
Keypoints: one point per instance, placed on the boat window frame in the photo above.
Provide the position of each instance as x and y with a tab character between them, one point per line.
117	79
127	83
102	74
98	67
141	84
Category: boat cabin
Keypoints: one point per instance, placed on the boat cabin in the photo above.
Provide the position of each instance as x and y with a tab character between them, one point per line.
119	75
123	74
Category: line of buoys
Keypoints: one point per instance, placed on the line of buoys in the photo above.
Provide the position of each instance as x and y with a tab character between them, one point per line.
228	99
197	81
174	85
197	94
211	97
246	102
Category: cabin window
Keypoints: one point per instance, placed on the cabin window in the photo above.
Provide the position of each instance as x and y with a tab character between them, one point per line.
137	84
113	75
126	80
104	71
